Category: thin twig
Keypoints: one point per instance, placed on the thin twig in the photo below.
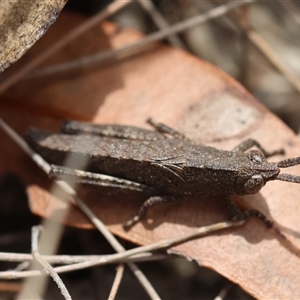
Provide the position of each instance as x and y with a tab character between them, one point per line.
205	230
117	246
117	281
47	267
24	265
268	51
72	35
53	231
154	37
23	145
260	43
70	259
292	9
160	22
92	217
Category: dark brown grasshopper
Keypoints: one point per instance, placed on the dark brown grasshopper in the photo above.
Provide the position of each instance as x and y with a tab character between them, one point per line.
162	164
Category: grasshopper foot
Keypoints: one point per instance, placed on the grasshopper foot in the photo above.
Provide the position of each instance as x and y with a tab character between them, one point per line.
257	214
131	222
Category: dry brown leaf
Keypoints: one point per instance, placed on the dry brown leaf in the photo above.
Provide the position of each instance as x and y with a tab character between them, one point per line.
22	23
196	98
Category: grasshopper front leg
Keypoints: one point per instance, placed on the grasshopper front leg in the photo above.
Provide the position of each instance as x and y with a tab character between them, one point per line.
249	143
238	215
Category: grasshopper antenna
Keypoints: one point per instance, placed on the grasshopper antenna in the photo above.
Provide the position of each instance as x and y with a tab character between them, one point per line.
285	164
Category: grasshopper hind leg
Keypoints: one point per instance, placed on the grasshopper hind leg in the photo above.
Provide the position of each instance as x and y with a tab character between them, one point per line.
98	180
152	201
110	130
165	129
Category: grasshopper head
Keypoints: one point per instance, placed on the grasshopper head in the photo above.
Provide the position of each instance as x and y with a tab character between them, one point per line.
254	172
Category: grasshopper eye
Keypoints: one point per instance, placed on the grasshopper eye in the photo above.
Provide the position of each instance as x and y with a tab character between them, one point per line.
257	159
254	184
256	156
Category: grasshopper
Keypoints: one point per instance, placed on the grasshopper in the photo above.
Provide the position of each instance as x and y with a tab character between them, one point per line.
162	164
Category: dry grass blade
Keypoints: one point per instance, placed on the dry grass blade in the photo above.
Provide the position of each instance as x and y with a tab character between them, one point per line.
117	281
34	156
260	43
69	259
24	265
113	258
267	50
154	37
292	9
27	292
53	226
160	22
117	246
224	291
